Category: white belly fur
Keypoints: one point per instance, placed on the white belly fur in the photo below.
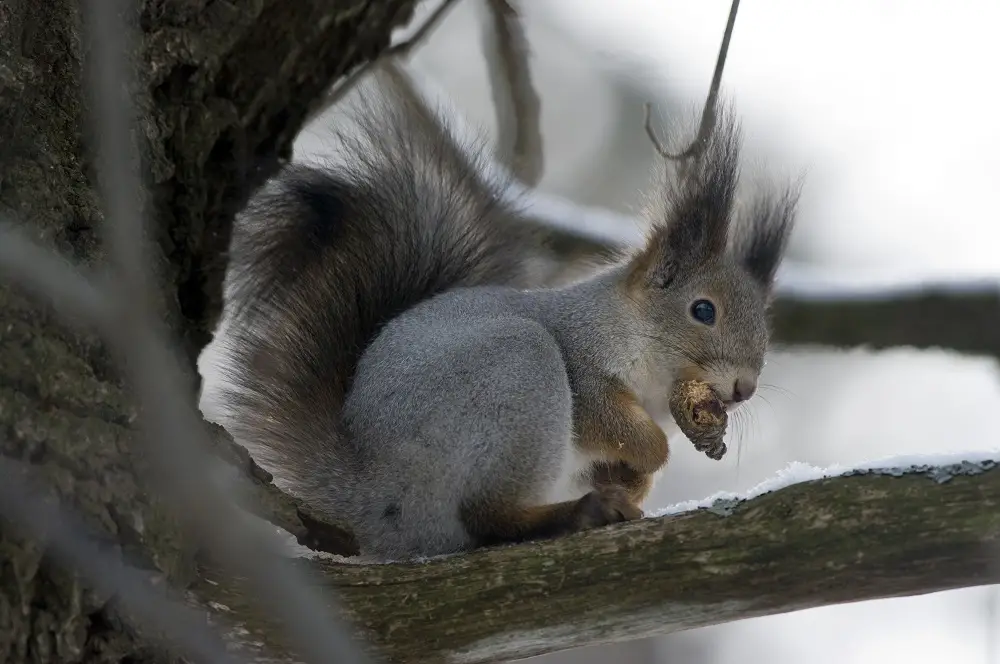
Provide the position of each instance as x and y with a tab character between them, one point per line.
569	485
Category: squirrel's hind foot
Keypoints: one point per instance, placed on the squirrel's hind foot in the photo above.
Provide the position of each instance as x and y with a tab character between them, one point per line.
604	506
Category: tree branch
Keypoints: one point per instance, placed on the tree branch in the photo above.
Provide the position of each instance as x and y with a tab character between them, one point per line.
966	320
868	535
709	114
518	108
398	50
812	308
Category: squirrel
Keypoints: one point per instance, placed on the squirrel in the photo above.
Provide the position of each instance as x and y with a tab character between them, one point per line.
384	355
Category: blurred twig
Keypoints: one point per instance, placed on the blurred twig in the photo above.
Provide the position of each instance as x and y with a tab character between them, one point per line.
175	430
992	624
518	108
398	50
184	627
709	113
48	276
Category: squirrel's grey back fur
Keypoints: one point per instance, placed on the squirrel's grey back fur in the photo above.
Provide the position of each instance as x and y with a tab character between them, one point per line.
379	355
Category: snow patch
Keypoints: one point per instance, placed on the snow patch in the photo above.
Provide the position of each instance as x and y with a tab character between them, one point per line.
939	467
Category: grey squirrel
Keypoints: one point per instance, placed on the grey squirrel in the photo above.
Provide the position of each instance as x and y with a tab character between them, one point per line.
383	356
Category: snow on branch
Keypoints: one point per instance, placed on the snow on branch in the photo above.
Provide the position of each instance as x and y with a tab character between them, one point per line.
940	467
900	527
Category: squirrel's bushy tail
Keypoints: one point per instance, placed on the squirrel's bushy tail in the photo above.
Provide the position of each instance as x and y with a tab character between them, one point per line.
323	256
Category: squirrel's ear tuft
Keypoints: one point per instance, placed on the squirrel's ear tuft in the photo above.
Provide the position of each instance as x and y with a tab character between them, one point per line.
772	217
653	266
691	208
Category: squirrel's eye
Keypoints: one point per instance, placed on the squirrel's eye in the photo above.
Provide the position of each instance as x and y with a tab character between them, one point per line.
703	311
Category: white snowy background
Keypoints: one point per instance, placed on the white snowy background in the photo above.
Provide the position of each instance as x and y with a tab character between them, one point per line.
892	107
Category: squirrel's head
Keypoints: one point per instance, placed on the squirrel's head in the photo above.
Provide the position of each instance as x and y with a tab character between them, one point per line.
704	279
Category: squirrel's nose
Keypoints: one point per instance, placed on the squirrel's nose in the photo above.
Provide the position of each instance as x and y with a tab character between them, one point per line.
743	389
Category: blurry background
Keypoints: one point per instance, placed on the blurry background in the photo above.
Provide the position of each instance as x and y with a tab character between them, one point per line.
891	106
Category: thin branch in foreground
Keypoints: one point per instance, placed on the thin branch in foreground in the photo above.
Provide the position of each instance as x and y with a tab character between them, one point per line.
176	432
709	113
50	277
518	108
651	132
399	50
119	185
185	628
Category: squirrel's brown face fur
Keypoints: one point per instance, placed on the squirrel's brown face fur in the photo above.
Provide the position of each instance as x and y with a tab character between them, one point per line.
708	325
704	279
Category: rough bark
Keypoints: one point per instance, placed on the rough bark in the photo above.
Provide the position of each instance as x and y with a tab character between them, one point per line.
222	88
871	535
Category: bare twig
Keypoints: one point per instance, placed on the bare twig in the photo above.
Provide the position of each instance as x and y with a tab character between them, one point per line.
184	627
177	434
710	111
399	50
651	132
518	108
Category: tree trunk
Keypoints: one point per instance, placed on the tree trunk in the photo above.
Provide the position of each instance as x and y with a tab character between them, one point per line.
222	91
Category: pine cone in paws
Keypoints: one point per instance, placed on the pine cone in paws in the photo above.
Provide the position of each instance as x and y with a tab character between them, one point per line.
701	415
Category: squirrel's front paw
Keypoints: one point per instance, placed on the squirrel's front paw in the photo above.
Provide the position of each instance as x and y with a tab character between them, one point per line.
603	507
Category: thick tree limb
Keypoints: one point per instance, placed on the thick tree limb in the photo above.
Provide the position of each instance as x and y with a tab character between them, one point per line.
966	321
872	535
